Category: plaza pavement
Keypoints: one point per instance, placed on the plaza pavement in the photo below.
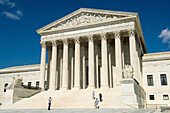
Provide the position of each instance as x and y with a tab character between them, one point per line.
83	111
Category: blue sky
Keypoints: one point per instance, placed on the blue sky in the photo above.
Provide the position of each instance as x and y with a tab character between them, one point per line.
19	20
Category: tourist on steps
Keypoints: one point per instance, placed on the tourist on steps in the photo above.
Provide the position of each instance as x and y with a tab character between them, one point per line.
49	103
100	97
96	104
93	95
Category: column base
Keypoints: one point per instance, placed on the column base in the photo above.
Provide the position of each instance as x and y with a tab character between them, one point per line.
42	89
104	87
91	87
51	89
63	88
76	88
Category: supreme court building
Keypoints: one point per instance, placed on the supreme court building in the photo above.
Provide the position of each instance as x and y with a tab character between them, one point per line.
97	49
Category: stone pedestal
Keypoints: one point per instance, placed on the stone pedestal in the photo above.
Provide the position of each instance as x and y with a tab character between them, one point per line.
133	94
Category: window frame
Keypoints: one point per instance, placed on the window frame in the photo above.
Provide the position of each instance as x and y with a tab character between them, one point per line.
163	79
5	86
150	81
37	84
150	97
165	98
29	86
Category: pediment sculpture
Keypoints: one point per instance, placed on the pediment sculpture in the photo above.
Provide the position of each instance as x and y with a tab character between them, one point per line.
128	71
84	18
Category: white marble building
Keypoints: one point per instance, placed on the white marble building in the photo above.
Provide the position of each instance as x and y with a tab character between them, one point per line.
97	49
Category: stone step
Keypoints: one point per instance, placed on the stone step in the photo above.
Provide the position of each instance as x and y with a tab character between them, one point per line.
71	99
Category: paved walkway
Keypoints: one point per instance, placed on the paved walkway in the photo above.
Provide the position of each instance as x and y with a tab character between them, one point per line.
83	111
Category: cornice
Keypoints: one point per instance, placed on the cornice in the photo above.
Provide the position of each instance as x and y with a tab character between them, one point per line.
89	11
156	56
17	69
95	24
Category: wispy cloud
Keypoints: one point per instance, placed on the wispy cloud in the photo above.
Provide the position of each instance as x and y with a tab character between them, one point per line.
165	35
19	12
7	2
11	15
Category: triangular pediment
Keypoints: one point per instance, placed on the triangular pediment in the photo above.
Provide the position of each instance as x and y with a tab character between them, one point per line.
84	17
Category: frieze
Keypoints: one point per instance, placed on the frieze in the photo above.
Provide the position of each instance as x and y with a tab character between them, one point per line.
84	18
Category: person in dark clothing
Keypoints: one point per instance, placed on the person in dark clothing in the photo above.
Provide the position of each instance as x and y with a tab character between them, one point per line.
100	97
49	103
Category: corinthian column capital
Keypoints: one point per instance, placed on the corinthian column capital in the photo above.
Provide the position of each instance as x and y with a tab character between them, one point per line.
131	32
77	40
54	43
117	34
90	38
43	44
65	41
103	36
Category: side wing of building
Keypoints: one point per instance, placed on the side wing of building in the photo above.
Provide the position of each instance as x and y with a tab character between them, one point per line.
156	79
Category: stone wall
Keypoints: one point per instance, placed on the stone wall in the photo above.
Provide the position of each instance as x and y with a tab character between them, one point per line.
133	94
155	64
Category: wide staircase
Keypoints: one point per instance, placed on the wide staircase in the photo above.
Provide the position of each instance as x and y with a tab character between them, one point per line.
71	99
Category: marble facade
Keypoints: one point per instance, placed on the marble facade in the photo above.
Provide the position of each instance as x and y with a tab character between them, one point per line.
105	43
96	49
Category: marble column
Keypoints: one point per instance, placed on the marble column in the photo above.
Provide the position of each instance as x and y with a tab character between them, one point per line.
53	66
133	54
123	54
43	65
60	67
71	55
118	58
49	66
91	61
97	63
110	65
65	65
77	64
112	47
82	66
104	58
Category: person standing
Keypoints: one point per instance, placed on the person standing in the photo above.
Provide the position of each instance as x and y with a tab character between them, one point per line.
93	95
100	97
49	103
96	104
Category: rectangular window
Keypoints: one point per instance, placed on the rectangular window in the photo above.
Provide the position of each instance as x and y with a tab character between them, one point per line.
5	86
150	80
151	97
29	85
165	97
37	84
163	79
22	84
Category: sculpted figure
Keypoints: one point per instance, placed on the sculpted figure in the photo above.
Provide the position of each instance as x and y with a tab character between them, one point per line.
17	81
128	71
